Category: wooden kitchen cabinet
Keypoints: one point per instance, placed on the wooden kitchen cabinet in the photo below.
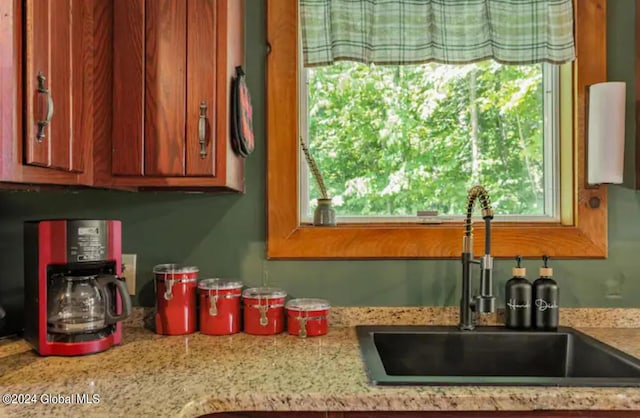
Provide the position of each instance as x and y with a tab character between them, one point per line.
276	415
497	414
127	94
173	64
58	47
431	414
47	103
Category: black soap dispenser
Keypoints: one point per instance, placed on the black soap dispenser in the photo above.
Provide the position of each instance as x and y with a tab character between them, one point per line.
518	299
546	299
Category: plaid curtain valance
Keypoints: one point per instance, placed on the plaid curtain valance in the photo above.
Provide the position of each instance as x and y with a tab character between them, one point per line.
444	31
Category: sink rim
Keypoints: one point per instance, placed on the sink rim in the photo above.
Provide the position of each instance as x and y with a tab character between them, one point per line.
377	374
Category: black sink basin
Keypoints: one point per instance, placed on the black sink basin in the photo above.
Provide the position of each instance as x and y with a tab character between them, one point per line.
429	355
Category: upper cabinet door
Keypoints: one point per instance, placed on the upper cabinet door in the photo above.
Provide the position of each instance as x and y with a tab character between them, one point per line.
165	60
173	63
57	94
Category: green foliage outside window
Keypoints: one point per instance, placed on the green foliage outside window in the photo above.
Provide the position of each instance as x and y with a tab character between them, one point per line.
394	140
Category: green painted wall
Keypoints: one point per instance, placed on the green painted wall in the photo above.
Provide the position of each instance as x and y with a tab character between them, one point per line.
225	234
621	47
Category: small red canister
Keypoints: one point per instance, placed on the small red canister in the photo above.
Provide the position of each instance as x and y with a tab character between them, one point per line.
263	310
219	306
175	299
307	317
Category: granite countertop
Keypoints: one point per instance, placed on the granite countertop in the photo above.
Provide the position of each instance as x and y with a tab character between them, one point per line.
152	375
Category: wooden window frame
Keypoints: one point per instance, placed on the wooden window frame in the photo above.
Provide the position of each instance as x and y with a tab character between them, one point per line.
584	237
637	99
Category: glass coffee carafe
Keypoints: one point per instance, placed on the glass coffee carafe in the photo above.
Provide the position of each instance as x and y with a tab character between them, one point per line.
84	304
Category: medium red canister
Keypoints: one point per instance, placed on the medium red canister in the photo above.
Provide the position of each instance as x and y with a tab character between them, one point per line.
175	299
219	306
307	317
263	310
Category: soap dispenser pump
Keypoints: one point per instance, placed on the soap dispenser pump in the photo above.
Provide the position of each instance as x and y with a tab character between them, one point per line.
546	299
518	299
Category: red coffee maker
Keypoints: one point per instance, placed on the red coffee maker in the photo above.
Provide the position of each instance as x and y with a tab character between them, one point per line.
74	299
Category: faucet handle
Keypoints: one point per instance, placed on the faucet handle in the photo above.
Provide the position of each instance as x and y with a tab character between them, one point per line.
485	304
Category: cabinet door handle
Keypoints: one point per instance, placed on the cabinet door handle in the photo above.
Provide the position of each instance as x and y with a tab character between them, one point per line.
202	130
44	123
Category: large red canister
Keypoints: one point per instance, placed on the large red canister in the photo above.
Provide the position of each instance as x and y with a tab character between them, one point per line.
307	317
263	310
175	299
219	306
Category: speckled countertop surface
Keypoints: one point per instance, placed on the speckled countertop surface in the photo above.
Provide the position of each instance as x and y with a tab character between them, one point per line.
151	375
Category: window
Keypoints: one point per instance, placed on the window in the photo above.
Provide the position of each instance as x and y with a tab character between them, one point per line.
580	230
397	141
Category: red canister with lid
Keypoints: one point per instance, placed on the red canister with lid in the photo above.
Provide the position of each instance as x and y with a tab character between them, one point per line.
307	317
263	310
219	306
175	299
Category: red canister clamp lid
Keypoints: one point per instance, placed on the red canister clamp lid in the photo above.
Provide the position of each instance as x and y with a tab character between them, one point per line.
219	284
175	269
263	293
308	304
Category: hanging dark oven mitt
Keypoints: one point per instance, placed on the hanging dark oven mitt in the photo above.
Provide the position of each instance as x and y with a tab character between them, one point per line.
242	139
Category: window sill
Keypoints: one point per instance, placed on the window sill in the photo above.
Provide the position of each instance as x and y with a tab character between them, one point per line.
350	241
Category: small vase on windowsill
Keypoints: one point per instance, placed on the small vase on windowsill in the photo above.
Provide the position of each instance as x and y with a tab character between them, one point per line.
324	215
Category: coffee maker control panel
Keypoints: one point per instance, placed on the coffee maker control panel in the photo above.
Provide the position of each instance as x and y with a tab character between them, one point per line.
86	240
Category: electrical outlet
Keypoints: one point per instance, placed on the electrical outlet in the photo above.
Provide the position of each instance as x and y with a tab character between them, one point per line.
129	271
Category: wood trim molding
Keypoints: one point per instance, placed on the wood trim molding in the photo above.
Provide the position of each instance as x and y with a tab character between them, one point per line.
637	96
287	239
